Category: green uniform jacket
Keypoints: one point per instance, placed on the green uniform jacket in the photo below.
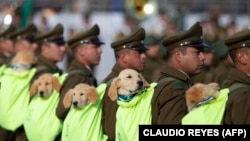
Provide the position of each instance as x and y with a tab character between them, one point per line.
3	59
84	76
221	71
45	66
110	107
206	76
6	60
238	106
169	102
150	68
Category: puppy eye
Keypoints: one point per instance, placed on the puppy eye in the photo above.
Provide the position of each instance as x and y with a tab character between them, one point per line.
81	94
129	76
74	94
46	83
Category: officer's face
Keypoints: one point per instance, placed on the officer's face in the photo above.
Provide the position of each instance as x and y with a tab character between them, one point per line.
192	61
53	51
247	56
7	45
135	60
91	54
22	44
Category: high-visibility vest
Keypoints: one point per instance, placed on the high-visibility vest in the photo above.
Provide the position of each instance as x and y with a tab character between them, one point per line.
41	122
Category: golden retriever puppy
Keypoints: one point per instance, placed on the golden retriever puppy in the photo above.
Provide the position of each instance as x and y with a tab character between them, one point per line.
23	60
44	85
199	92
81	95
128	82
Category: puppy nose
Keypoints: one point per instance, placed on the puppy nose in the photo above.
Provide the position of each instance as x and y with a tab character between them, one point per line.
75	103
140	83
41	93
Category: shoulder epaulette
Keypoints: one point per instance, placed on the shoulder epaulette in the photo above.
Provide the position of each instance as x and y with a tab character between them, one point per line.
77	72
178	85
42	68
236	86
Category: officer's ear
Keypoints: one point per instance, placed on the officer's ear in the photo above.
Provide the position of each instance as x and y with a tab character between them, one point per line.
178	54
122	55
241	56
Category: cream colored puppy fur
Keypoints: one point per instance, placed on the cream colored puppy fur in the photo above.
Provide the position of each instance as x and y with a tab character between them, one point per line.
128	82
44	85
80	95
199	92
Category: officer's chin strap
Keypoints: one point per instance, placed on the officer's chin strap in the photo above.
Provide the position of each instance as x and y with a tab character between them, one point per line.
127	98
20	66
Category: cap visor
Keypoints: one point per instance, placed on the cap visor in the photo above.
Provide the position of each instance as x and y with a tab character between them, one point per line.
199	45
98	43
139	47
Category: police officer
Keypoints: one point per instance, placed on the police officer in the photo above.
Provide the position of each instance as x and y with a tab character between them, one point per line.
86	47
208	73
238	107
25	38
154	58
50	51
185	59
223	62
129	53
6	44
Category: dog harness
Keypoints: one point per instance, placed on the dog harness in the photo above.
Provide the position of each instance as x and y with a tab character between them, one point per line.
211	112
204	101
20	66
133	113
42	111
14	97
86	120
127	98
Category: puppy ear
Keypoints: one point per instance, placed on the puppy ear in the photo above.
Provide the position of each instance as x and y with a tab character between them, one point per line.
33	88
145	82
92	95
112	93
67	100
56	84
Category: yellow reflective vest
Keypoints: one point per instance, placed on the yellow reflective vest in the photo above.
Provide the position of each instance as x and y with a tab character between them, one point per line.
41	122
85	124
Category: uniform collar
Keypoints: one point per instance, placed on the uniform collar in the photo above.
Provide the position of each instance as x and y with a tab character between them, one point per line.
42	61
170	71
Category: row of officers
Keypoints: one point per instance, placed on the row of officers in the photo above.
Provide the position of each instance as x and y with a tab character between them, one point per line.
184	60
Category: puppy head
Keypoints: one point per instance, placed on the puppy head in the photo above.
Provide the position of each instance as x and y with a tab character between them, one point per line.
128	82
44	85
80	96
25	57
199	92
